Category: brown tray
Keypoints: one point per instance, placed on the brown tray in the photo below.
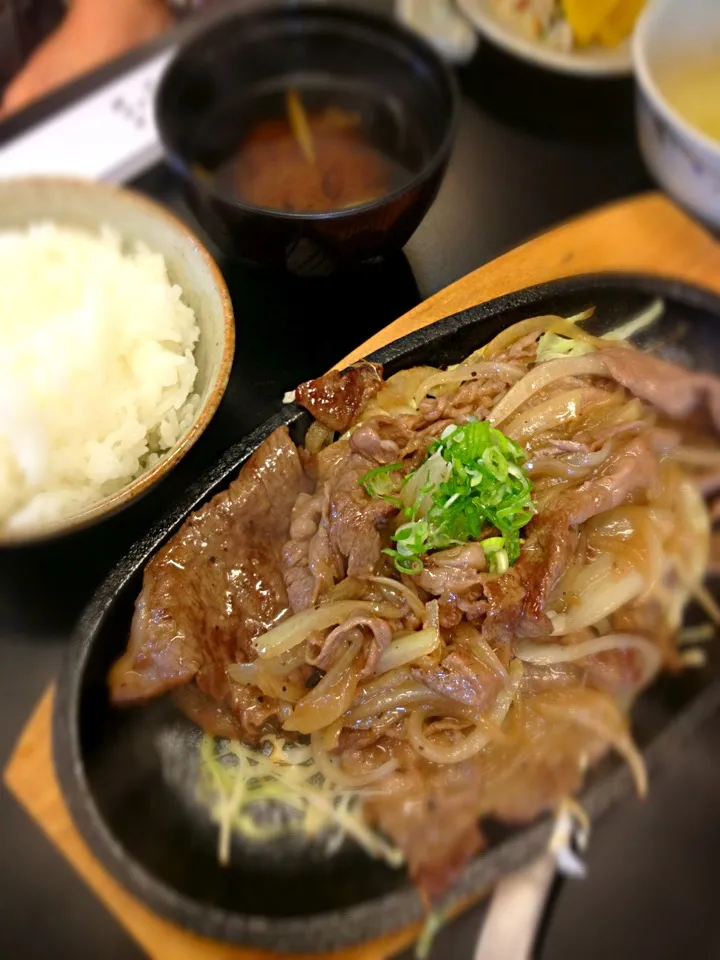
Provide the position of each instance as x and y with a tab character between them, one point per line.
643	235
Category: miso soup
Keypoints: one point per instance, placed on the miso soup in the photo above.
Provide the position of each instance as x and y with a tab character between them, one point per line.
305	151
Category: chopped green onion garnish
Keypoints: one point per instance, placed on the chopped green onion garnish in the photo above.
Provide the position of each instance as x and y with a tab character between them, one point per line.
481	483
380	482
552	346
492	545
499	562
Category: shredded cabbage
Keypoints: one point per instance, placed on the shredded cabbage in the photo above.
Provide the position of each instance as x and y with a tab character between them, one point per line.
262	796
638	323
552	346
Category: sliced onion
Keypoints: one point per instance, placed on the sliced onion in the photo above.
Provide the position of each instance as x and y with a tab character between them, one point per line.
349	588
510	372
271	684
673	599
317	437
484	652
431	474
510	335
597	712
334	774
470	637
410	693
411	647
541	376
700	633
694	534
593	458
570	465
695	658
242	672
601	593
550	653
581	576
297	628
396	394
432	614
697	456
655	560
331	697
505	698
485	729
555	469
285	664
468	746
706	600
552	413
379	684
413	601
632	534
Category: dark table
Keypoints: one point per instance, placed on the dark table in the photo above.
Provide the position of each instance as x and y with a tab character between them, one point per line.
533	149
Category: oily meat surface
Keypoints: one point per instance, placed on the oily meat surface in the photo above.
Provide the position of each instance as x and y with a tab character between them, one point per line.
336	398
276	543
216	585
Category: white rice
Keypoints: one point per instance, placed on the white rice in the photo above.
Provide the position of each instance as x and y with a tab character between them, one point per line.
96	369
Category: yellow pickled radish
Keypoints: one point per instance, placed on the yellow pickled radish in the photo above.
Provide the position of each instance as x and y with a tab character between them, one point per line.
620	22
586	17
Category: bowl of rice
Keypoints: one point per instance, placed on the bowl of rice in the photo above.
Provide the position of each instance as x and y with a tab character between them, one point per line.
116	343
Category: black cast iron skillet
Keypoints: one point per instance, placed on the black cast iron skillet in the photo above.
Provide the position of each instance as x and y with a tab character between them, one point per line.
129	776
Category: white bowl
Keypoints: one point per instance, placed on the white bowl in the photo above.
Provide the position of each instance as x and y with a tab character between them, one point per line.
89	205
592	61
684	160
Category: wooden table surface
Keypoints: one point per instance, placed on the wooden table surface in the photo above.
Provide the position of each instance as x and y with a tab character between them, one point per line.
644	235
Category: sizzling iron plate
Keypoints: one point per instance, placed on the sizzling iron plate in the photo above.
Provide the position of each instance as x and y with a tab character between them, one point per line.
130	776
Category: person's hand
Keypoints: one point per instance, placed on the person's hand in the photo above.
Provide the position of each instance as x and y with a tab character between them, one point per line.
92	33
